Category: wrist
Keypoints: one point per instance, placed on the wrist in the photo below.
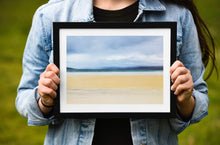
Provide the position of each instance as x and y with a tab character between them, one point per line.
44	108
186	108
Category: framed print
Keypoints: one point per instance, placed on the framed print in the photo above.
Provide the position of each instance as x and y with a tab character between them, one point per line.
114	70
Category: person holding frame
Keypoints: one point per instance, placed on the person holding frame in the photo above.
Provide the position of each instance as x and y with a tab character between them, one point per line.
40	79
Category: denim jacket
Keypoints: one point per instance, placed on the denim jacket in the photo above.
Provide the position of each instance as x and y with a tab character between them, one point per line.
39	53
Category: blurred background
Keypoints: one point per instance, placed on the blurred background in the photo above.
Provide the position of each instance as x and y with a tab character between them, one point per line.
15	22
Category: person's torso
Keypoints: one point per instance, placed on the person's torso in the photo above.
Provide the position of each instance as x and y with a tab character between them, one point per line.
81	131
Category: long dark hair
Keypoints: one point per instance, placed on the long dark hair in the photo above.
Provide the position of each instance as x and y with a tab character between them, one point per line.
205	38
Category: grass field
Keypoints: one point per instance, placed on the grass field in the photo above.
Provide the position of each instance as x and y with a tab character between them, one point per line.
15	22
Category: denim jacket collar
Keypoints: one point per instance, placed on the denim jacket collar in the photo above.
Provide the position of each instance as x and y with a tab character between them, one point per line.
151	5
87	13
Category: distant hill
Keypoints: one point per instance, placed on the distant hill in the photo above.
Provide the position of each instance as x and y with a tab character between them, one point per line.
110	69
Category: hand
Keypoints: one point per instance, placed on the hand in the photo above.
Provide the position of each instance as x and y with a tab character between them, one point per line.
47	86
183	88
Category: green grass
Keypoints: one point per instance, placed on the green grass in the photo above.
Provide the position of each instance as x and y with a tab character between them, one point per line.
15	22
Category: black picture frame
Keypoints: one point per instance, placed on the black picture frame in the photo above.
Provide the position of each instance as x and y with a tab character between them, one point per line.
69	29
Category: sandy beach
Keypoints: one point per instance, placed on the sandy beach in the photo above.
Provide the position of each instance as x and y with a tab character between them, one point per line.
115	89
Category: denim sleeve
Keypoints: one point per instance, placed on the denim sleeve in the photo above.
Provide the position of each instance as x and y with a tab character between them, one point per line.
190	56
35	60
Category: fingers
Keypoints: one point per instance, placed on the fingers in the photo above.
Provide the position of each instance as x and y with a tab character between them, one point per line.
179	71
52	67
51	75
175	65
181	78
46	92
184	88
48	84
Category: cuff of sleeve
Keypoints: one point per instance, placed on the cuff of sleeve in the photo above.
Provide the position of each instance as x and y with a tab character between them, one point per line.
201	106
35	116
199	112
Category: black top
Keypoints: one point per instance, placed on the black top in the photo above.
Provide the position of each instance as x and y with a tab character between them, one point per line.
127	14
112	131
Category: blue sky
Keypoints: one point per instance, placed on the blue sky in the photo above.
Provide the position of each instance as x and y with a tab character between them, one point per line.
87	52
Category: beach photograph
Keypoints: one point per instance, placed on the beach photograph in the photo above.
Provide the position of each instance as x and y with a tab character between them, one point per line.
114	70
